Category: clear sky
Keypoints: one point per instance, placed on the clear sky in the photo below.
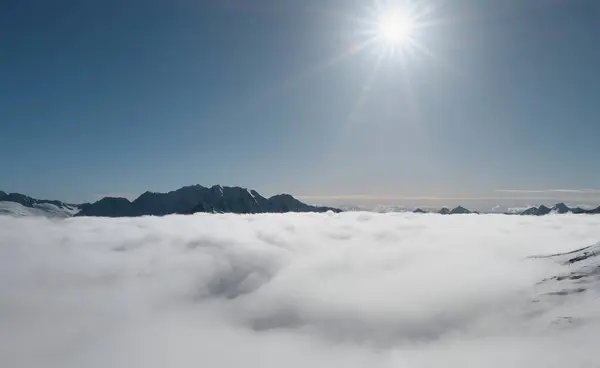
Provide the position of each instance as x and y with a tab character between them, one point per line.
300	96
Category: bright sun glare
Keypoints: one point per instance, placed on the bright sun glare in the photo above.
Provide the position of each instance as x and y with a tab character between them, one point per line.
394	29
394	26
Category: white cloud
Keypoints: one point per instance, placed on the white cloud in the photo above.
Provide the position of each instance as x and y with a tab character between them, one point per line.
295	290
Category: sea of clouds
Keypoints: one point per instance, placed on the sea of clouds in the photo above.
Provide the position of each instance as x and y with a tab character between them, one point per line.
295	290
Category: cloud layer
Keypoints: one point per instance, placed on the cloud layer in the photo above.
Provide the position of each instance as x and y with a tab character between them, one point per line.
295	290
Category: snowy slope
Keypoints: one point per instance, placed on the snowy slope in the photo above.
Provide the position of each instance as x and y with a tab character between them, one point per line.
37	209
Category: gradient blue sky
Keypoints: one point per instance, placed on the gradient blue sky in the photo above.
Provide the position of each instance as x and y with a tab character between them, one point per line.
100	97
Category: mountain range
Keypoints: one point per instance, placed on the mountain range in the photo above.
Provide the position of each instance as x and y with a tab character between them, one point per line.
186	200
216	199
559	208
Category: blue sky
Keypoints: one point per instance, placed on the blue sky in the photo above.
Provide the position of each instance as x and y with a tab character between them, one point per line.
105	97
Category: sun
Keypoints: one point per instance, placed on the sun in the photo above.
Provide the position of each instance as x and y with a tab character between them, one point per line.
395	30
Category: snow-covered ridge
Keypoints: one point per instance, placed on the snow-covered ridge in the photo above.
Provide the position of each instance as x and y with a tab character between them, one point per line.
38	209
580	275
186	200
16	204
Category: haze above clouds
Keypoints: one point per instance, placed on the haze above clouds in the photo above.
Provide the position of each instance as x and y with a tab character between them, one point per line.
295	290
497	201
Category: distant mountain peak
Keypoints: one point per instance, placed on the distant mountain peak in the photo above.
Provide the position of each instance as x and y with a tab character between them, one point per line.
561	208
459	210
543	210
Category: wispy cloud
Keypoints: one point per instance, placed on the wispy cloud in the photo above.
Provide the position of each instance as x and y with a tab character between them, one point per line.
529	191
520	191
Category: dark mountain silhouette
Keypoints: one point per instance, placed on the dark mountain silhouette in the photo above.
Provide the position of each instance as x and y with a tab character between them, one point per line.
543	210
108	207
459	210
561	208
537	211
196	198
579	210
532	211
444	211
